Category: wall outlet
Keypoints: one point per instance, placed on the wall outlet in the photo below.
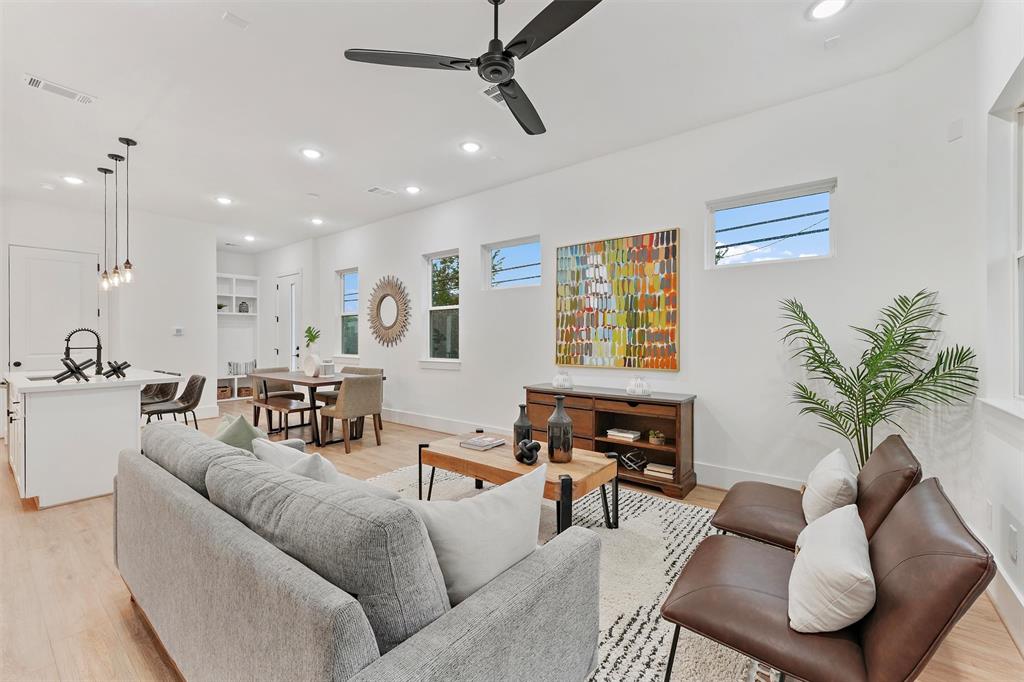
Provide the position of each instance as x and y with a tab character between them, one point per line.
988	514
179	331
955	130
1011	542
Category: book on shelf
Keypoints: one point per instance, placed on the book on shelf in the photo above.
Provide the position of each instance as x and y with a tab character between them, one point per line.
659	474
624	434
663	468
482	442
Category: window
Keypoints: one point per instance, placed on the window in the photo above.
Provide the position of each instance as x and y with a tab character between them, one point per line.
349	312
444	307
513	264
784	224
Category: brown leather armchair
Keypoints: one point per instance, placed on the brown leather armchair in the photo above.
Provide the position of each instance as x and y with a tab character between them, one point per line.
773	514
928	567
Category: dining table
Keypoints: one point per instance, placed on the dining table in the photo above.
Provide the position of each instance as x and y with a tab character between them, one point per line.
312	385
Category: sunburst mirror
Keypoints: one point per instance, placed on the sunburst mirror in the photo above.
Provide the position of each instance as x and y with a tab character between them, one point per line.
389	310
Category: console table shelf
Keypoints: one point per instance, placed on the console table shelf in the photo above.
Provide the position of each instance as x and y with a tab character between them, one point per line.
595	410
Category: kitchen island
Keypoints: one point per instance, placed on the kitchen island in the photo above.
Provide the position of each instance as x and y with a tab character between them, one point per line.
64	438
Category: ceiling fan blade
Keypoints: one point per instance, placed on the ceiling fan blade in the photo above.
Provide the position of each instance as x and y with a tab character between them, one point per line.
521	107
414	59
552	20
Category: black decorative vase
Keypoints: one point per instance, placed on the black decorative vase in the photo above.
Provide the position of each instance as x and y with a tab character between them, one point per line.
522	429
560	433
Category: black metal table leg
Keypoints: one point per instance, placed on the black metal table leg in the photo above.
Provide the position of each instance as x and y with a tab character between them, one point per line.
479	484
430	488
563	509
672	655
604	505
313	421
615	502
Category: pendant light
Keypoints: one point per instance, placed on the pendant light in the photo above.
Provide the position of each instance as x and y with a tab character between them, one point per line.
115	274
128	144
105	278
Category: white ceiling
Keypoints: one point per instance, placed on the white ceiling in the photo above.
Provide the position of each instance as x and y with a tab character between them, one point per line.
220	110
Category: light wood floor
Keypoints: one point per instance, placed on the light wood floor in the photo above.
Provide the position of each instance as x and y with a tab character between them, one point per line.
66	615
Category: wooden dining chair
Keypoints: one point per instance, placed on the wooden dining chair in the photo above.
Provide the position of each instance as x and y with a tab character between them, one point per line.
276	388
359	396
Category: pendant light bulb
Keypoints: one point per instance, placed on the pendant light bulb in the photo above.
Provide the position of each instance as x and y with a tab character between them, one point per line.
105	281
115	277
127	274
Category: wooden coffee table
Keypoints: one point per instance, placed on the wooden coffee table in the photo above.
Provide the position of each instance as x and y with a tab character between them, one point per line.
565	482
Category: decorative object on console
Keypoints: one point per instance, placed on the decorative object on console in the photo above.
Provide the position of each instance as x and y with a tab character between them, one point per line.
389	310
128	267
617	303
116	369
560	433
105	277
893	373
638	386
243	306
562	380
656	437
522	429
633	460
311	361
527	452
115	274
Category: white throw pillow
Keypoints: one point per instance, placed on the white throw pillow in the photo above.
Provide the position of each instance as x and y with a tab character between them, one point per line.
313	466
830	485
832	585
279	455
478	538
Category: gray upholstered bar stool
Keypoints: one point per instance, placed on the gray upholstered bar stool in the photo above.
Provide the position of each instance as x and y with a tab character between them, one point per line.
360	396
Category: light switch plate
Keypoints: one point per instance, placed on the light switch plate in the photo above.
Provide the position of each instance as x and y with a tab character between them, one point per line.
179	331
1012	539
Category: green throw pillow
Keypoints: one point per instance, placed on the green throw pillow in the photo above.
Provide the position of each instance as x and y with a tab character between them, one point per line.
236	430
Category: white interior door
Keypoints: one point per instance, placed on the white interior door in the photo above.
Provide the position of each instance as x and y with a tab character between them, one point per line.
289	319
51	292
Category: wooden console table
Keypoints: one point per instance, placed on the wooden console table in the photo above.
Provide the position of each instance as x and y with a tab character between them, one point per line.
595	410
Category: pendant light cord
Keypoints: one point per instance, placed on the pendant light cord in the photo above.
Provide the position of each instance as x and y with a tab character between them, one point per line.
105	247
127	207
115	212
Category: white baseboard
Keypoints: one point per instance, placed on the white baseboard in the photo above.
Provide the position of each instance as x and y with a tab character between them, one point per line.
441	424
208	411
718	476
1009	604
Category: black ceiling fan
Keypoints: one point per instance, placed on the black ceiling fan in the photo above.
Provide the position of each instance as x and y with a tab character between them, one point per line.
497	65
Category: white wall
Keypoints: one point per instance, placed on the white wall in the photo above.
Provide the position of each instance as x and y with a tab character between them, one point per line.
299	258
233	263
903	219
996	496
174	285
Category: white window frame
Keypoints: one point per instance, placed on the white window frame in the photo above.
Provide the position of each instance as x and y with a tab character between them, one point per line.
429	259
790	192
485	262
342	314
1015	267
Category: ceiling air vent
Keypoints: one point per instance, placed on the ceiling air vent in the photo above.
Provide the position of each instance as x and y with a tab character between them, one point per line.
494	94
382	191
54	88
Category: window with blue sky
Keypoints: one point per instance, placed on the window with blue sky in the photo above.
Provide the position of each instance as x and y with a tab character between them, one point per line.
350	312
516	265
784	229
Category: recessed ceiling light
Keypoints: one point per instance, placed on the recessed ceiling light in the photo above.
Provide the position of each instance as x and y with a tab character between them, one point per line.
470	147
412	189
224	201
249	238
317	221
311	153
72	180
827	8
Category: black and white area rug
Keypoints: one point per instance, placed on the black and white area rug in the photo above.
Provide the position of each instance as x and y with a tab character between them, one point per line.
640	561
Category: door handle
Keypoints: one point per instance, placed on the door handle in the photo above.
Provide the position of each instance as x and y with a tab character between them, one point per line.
17	363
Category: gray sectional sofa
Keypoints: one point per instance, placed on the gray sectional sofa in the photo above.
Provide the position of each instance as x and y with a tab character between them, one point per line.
247	572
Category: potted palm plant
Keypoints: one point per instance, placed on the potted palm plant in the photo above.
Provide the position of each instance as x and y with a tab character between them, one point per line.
897	371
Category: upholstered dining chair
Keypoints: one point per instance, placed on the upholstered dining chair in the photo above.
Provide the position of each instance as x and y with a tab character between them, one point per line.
276	388
187	402
158	393
360	396
329	397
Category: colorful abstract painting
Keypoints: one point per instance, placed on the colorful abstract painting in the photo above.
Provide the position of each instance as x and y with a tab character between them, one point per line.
617	302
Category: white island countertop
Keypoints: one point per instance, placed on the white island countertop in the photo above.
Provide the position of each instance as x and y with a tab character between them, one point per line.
41	381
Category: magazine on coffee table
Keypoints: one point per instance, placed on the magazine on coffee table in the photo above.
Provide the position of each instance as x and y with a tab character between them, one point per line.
482	442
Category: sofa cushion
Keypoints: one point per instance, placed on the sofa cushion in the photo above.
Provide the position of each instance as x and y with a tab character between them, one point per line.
313	466
889	473
184	452
236	430
762	511
375	549
736	591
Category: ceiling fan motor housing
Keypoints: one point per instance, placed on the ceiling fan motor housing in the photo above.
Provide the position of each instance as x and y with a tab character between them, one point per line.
495	65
